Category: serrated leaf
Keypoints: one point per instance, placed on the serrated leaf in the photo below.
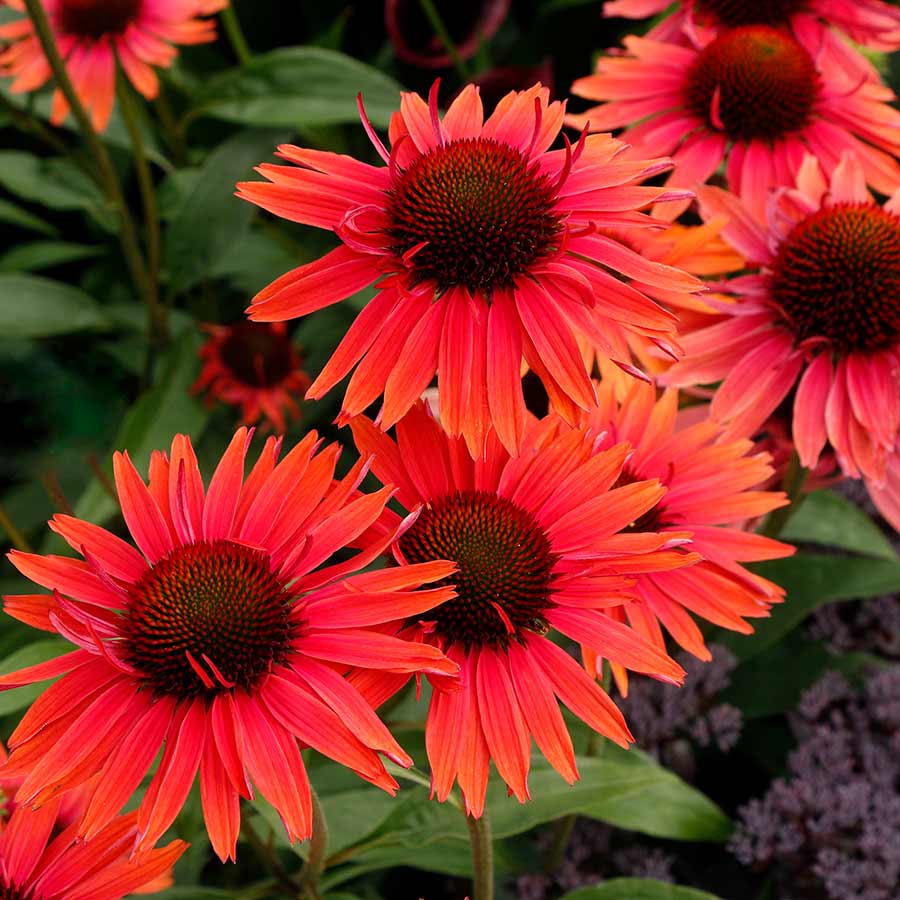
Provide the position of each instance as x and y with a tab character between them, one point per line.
211	220
827	518
156	417
298	87
637	889
31	306
811	580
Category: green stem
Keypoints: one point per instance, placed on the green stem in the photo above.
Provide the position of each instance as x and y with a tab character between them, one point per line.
157	325
318	847
16	538
792	484
236	35
482	857
437	23
173	134
108	178
266	853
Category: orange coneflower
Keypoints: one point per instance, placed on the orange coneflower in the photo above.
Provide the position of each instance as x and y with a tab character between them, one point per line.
711	487
538	544
92	35
822	315
756	97
489	249
254	366
41	858
220	636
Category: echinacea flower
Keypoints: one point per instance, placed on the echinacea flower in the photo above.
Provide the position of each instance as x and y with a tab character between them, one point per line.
538	543
254	366
219	637
712	486
92	35
821	316
698	249
488	250
38	861
754	97
872	23
469	25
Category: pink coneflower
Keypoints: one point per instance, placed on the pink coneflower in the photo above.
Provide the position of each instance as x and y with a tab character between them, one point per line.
92	35
539	545
255	367
755	97
220	637
712	487
872	23
488	250
40	862
823	315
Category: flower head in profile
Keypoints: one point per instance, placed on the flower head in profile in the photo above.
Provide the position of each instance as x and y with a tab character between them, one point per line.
41	858
254	366
756	97
489	249
818	326
712	487
539	543
220	636
92	35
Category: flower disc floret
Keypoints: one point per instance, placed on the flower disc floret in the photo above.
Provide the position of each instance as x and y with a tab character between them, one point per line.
472	212
95	18
837	276
753	83
504	561
258	355
213	610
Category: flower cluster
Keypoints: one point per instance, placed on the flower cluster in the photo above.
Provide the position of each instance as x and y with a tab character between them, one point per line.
828	829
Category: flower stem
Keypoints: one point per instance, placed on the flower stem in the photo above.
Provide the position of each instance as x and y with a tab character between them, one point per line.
265	851
440	29
318	846
16	538
236	35
173	134
158	326
792	484
108	179
482	857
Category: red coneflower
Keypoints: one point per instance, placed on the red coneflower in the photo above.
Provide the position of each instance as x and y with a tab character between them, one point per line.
39	862
872	23
538	545
218	637
755	97
711	487
92	35
823	315
490	251
254	366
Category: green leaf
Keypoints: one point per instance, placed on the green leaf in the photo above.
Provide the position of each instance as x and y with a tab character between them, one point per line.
12	215
827	518
156	417
353	815
637	889
31	306
624	788
811	580
298	87
211	220
55	183
43	255
29	655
